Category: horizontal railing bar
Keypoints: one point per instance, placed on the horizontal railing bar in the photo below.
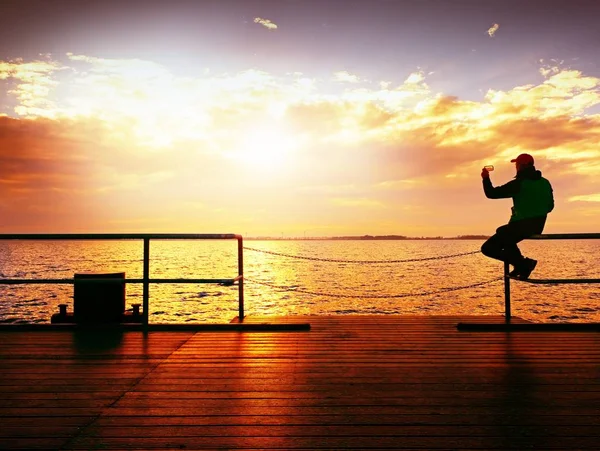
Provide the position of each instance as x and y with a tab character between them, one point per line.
112	280
213	236
225	281
119	236
561	281
565	236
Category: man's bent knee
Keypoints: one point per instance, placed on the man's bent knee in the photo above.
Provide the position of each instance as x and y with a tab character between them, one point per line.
487	249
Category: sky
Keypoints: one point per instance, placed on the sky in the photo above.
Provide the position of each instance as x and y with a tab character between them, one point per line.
294	118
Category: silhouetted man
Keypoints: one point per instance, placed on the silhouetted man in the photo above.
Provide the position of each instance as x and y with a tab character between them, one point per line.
532	201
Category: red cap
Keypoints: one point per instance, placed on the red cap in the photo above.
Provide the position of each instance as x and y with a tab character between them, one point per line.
524	159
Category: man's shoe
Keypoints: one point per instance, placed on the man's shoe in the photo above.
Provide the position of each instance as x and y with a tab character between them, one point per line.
526	268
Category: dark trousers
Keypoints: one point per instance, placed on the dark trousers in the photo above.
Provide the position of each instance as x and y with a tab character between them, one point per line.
503	244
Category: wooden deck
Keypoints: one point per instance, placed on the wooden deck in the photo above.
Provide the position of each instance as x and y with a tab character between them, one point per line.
351	382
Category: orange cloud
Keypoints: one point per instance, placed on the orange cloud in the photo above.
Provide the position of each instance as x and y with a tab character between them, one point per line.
586	198
357	202
41	174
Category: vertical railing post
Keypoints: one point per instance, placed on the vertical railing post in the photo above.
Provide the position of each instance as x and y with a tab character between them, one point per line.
146	284
506	294
241	279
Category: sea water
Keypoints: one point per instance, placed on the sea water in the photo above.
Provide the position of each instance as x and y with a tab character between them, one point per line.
304	281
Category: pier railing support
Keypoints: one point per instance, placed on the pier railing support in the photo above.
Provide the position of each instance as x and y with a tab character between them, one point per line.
146	284
506	294
240	278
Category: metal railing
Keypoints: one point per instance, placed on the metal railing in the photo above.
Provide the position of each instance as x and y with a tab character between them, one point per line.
551	236
145	280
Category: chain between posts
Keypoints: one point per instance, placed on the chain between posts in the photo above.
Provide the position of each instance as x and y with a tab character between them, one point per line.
359	296
361	261
387	296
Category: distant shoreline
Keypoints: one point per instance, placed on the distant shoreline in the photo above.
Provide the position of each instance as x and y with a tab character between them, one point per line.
366	238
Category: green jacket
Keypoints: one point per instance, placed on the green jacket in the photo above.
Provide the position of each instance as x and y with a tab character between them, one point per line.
531	194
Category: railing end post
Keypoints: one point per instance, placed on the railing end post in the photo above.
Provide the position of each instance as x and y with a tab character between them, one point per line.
507	313
240	241
146	284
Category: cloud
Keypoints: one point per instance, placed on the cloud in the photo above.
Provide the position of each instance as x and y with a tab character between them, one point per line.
68	175
265	23
586	198
345	77
43	171
400	184
33	84
548	71
328	189
357	202
134	131
493	29
33	154
415	78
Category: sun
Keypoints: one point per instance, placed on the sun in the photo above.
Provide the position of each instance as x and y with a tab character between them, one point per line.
265	147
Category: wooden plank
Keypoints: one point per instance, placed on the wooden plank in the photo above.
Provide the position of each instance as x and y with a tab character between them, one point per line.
458	441
379	430
50	412
341	398
447	409
356	418
56	430
47	421
32	442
